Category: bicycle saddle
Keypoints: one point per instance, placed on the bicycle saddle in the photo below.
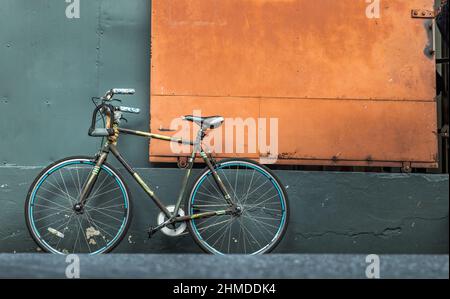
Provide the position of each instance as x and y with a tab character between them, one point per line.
209	122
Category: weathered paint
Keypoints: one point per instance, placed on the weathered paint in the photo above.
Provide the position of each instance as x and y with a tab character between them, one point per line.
51	66
331	212
348	90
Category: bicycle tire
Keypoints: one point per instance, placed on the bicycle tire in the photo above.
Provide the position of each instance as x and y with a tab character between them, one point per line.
40	179
188	205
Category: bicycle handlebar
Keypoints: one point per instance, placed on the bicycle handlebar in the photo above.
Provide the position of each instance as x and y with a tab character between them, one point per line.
112	113
118	91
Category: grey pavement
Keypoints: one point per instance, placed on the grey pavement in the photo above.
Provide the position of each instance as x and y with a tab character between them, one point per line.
203	266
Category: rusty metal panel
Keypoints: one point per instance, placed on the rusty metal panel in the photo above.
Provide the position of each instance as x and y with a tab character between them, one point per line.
348	89
372	131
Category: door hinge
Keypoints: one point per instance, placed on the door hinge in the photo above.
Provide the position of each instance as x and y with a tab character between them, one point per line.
443	132
423	14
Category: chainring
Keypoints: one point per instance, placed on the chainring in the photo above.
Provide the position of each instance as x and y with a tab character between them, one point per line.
169	231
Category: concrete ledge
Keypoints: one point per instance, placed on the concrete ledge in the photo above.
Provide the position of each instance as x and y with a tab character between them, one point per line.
331	212
178	266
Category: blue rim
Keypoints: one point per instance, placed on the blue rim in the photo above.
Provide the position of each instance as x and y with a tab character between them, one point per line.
263	172
52	170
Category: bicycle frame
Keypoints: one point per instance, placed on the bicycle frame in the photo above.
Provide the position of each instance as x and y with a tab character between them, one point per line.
110	147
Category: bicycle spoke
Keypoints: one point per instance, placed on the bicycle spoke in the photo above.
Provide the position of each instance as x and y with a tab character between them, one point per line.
48	200
76	241
229	184
85	237
44	207
104	193
213	225
225	226
208	195
249	187
259	226
65	187
45	217
213	185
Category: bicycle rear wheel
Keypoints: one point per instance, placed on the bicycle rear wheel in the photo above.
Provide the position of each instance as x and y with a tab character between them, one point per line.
55	224
264	215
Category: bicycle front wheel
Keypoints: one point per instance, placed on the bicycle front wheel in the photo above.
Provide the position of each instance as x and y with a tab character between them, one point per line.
58	227
260	225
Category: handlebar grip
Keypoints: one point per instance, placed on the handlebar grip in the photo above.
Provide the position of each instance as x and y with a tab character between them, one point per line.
101	132
123	91
129	109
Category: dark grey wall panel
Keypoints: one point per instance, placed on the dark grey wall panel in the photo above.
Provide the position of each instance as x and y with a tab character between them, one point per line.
330	213
51	66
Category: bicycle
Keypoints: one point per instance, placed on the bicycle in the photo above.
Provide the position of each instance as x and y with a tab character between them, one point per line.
83	205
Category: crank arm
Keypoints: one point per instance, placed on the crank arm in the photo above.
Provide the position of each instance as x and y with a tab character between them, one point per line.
153	230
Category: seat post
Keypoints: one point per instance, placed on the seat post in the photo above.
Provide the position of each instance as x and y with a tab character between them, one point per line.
200	135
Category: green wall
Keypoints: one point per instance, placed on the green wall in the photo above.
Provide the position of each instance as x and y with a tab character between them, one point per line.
331	212
50	67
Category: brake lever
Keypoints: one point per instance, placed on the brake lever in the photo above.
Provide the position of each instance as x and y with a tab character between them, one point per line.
96	100
123	118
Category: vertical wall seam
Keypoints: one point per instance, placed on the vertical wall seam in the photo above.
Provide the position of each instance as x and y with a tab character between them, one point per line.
99	45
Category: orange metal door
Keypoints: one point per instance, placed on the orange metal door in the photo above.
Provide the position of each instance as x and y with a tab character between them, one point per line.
349	82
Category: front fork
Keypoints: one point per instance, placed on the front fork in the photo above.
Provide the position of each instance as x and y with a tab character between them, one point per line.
92	178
